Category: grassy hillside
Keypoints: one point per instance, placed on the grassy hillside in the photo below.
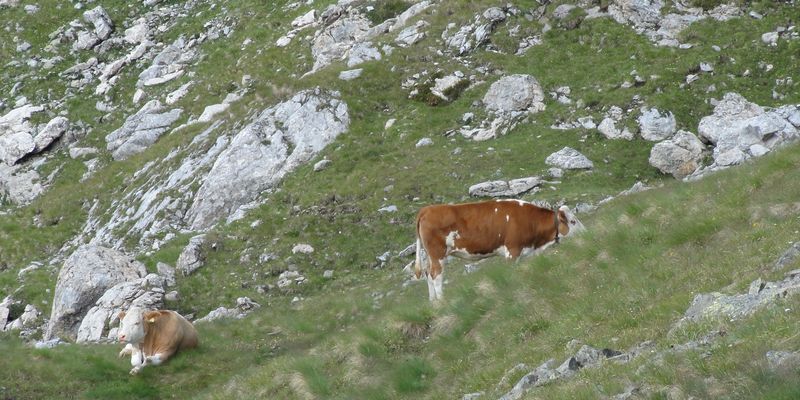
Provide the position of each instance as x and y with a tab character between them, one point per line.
363	334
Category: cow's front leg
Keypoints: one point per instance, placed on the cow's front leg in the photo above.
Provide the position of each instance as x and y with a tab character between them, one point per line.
127	350
138	360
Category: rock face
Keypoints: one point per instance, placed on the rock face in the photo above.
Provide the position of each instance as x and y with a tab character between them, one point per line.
654	126
679	156
515	93
279	140
147	292
141	130
86	275
569	158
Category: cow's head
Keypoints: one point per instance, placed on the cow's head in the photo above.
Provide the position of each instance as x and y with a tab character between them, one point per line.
133	324
567	223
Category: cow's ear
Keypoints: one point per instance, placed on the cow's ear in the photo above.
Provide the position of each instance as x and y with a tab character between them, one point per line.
562	216
151	316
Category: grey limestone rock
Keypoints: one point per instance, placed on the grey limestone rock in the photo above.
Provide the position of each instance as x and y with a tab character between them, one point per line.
569	158
655	126
515	93
141	130
679	156
280	139
85	276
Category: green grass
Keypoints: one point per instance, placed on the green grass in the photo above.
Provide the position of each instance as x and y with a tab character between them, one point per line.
363	335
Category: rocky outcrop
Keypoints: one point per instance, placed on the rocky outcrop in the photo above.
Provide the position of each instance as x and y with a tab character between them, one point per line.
334	41
679	156
141	130
19	185
739	130
737	306
147	293
86	275
469	37
279	140
569	158
511	188
103	26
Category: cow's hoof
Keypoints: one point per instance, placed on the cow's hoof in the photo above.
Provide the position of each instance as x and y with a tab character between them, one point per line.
134	370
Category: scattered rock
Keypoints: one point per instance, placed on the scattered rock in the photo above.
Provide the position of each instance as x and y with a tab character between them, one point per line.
569	158
424	142
349	75
511	188
322	164
788	257
302	248
783	360
469	37
243	307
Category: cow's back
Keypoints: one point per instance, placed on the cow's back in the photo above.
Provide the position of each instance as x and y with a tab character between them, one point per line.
169	333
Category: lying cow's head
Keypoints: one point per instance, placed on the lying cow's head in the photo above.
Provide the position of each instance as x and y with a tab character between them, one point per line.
567	223
132	324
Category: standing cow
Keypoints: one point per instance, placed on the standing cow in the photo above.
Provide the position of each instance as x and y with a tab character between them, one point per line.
479	230
152	337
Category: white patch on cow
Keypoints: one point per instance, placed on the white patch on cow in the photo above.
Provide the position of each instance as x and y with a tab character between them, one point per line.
155	359
131	327
431	289
503	251
507	218
466	255
495	209
450	240
439	287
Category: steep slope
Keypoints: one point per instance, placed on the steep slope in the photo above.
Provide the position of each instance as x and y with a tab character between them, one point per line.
288	143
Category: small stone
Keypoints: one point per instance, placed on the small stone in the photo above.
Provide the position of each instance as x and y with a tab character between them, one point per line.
302	248
328	274
322	164
424	142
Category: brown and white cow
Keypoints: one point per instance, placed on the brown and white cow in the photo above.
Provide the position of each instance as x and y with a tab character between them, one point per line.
152	337
479	230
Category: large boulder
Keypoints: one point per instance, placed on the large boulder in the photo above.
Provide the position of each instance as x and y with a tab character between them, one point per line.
147	293
515	93
86	275
141	130
511	188
50	133
279	140
679	156
19	185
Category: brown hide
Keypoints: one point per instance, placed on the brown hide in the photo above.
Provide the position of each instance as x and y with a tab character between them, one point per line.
484	228
167	333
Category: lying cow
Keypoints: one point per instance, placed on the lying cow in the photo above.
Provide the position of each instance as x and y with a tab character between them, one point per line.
152	337
479	230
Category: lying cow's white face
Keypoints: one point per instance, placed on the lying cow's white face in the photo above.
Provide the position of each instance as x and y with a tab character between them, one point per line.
131	326
566	216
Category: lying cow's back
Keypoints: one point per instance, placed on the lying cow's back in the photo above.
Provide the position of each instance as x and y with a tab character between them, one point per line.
169	330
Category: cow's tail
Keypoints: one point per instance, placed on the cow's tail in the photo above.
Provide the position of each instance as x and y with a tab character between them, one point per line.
418	261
